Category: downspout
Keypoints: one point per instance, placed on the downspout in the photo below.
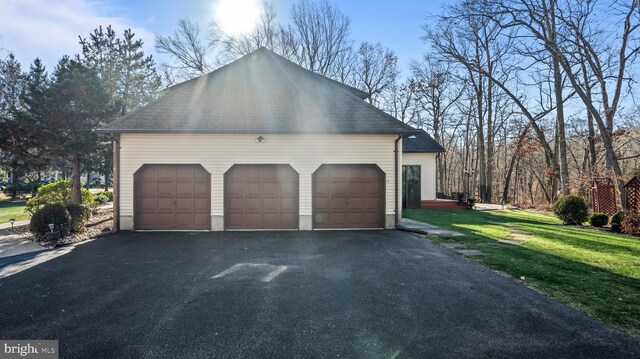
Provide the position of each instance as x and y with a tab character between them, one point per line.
397	212
116	182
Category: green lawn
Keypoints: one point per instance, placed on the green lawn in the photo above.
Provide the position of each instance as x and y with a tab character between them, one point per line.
596	271
10	209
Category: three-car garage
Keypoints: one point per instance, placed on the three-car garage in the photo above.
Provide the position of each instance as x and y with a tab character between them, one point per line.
258	196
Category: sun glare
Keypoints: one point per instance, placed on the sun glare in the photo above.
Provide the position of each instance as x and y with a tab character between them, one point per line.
236	17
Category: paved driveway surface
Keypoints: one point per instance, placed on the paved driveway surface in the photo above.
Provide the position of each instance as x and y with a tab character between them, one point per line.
323	294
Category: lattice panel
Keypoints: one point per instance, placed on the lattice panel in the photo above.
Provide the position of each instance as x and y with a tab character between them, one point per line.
632	195
604	196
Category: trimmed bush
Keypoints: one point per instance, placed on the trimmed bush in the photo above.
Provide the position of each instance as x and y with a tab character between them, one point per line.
80	215
617	217
51	213
106	194
56	192
100	198
571	210
630	223
598	219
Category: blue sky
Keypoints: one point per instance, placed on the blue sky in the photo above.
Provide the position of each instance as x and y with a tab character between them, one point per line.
50	29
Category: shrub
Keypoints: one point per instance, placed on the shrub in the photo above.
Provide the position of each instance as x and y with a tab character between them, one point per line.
571	210
617	217
107	194
630	223
51	213
100	198
598	219
56	192
80	215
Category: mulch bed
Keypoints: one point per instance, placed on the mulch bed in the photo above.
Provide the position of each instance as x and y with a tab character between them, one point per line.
101	221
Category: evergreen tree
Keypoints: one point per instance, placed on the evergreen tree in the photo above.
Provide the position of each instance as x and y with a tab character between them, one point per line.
130	80
76	103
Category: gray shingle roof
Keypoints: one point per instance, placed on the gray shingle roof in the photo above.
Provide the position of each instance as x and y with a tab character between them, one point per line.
421	142
261	92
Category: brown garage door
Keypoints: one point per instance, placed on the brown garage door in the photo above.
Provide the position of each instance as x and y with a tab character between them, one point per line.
172	197
261	197
348	196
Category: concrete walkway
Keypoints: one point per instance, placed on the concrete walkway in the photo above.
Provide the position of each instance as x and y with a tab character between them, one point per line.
13	244
425	228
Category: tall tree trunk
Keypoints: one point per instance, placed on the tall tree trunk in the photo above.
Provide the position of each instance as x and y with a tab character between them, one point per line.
76	194
481	141
562	143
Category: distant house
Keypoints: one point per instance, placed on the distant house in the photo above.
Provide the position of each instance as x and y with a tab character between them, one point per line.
261	143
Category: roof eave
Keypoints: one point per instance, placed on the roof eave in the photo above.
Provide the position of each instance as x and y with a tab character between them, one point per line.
389	132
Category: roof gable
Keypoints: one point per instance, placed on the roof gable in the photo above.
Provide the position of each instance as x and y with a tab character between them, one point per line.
421	142
260	92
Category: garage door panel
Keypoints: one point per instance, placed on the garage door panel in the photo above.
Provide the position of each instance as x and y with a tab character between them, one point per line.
251	189
184	220
271	189
372	204
337	204
148	174
148	188
185	173
337	219
185	189
201	205
148	219
201	220
148	204
184	205
348	196
234	219
288	205
168	219
355	220
337	189
271	205
356	203
267	192
321	189
372	189
166	189
252	205
168	197
201	189
166	173
166	205
356	189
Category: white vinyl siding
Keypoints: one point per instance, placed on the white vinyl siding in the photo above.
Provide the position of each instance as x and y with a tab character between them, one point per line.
218	152
427	162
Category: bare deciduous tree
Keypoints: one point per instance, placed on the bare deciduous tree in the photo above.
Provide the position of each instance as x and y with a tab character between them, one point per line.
375	69
321	32
187	48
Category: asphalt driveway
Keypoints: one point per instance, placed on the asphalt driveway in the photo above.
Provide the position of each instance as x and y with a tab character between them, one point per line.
322	294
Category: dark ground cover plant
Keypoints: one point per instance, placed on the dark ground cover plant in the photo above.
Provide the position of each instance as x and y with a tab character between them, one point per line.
572	210
598	219
51	213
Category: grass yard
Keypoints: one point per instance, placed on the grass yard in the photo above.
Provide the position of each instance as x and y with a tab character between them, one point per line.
10	209
596	271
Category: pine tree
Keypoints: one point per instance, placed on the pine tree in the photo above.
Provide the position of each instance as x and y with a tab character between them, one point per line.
130	80
76	104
